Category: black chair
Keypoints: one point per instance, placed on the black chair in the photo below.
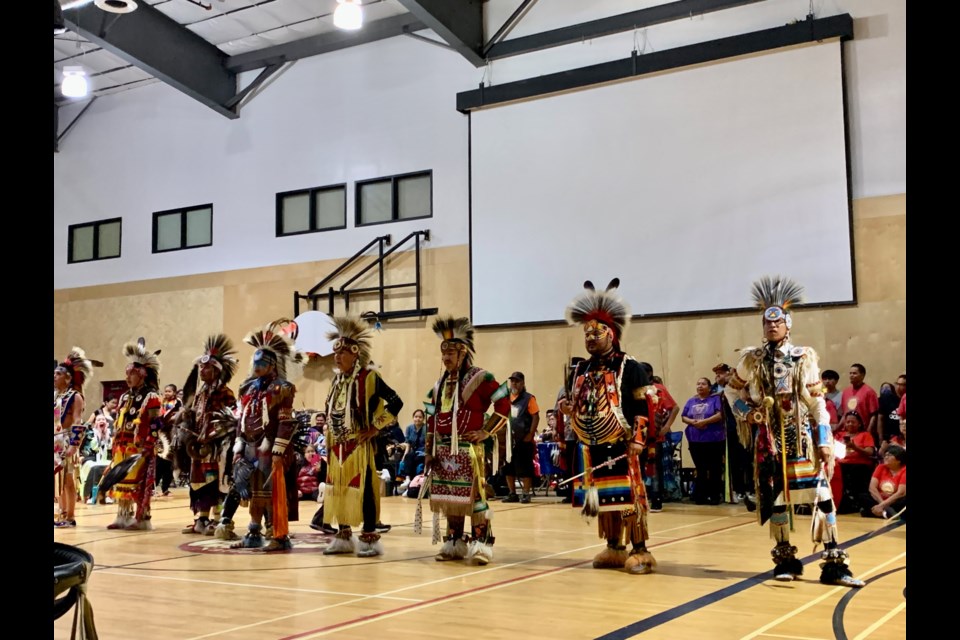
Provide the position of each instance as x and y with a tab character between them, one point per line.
72	567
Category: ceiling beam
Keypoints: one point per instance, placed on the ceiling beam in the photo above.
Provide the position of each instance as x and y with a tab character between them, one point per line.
809	30
324	43
458	22
608	26
149	40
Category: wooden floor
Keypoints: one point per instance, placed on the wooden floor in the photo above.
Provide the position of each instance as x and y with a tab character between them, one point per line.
711	582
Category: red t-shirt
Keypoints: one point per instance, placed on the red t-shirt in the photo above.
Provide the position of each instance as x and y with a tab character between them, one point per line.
902	409
660	408
863	400
831	411
888	482
863	440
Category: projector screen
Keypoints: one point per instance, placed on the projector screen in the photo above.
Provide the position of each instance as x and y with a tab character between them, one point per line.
687	185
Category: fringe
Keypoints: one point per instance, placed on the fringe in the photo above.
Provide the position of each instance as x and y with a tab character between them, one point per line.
281	526
611	526
591	505
344	504
745	434
454	444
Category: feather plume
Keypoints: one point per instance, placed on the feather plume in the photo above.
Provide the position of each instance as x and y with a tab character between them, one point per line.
79	367
606	306
138	354
274	339
459	330
354	331
218	348
776	291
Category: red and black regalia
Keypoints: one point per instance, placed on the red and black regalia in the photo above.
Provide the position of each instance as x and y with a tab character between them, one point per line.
264	473
607	410
457	428
136	433
207	428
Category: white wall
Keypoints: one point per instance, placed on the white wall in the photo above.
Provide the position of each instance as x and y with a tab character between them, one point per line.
876	62
360	113
386	108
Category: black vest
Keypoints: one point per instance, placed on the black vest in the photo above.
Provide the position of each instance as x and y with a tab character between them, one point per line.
521	424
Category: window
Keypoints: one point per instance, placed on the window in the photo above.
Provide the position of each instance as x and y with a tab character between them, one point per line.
94	241
404	197
310	210
183	228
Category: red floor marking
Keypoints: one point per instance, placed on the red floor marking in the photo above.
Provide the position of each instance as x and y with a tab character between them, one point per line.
416	605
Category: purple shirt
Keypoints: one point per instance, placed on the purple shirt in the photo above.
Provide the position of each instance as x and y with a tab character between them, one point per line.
698	408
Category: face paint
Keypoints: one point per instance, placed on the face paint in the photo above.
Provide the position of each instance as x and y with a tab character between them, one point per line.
598	337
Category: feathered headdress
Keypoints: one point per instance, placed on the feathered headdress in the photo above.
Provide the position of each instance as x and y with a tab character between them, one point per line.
218	350
775	295
353	334
79	367
137	354
457	331
607	307
275	346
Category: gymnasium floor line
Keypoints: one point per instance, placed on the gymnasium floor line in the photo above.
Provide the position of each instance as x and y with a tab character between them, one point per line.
817	600
669	615
260	586
314	633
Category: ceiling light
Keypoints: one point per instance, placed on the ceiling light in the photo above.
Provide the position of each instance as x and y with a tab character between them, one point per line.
74	82
116	6
348	15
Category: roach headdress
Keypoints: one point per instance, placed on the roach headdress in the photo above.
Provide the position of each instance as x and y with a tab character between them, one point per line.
79	367
606	307
274	345
456	331
138	354
775	295
353	334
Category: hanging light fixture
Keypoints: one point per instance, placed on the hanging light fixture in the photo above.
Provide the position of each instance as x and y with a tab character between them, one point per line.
74	82
348	15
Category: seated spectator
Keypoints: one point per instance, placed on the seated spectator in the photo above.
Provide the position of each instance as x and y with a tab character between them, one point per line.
389	452
308	478
95	457
413	490
858	463
888	486
414	444
550	433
